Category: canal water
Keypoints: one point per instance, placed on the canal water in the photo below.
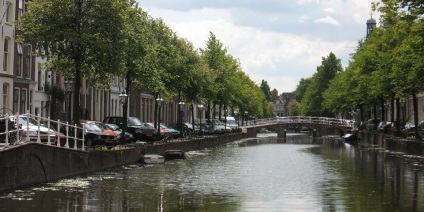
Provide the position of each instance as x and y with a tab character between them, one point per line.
263	174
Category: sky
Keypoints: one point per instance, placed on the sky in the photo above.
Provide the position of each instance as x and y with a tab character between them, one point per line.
279	41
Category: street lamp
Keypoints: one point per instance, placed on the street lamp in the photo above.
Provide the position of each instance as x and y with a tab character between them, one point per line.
123	99
159	101
200	106
225	118
69	84
237	119
180	123
245	116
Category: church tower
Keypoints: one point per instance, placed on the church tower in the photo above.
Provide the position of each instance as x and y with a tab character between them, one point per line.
371	23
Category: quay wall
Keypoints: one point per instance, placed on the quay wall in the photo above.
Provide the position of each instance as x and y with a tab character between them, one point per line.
195	144
393	144
34	163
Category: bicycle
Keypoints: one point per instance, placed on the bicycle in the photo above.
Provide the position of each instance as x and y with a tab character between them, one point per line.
13	131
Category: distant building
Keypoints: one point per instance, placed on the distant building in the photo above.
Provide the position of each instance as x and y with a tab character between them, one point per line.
281	104
274	94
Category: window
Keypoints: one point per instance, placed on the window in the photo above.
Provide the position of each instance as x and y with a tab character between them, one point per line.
5	95
23	101
21	8
40	79
6	54
9	12
19	61
30	102
28	62
15	100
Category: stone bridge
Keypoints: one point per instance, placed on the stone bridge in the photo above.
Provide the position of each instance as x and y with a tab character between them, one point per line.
316	126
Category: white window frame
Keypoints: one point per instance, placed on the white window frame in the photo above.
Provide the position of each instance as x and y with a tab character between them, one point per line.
20	60
28	62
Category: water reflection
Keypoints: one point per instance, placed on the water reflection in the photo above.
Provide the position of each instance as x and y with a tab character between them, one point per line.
264	174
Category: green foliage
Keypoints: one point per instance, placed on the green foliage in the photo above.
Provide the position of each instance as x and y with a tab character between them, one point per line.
301	89
57	96
267	90
97	40
294	108
313	98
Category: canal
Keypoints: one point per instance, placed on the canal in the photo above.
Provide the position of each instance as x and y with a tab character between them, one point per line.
264	174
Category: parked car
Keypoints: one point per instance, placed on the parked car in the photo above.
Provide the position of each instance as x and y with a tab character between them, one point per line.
372	124
384	126
205	129
128	136
421	129
231	122
140	130
394	130
95	135
30	127
363	125
163	131
408	130
175	133
217	125
106	129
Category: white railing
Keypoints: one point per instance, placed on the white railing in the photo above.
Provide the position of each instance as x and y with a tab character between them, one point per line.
11	129
299	120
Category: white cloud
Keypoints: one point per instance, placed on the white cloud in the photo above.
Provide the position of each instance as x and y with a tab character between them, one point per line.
327	20
280	47
303	18
329	10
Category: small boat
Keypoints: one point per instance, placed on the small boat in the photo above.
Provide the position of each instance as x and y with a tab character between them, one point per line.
351	138
153	159
174	154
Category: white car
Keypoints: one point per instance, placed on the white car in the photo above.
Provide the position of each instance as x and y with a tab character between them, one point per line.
30	126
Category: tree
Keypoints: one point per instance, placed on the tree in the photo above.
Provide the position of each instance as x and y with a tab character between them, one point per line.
301	88
267	90
313	99
83	38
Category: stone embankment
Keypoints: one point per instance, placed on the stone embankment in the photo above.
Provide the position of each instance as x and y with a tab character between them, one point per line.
34	163
390	143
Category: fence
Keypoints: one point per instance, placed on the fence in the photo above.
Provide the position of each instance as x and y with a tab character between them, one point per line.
15	129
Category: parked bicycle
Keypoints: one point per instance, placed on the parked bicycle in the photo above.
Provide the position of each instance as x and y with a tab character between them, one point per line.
11	129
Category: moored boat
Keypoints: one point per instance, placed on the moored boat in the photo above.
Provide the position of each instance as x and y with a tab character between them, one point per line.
153	159
174	154
351	138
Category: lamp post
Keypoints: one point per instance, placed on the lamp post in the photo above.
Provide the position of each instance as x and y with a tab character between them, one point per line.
180	117
245	116
68	88
159	101
200	106
237	119
123	99
192	117
225	118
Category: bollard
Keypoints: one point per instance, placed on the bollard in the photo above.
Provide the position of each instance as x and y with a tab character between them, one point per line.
67	136
48	129
58	134
75	137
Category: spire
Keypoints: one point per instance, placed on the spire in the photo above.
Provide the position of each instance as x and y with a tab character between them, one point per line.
371	23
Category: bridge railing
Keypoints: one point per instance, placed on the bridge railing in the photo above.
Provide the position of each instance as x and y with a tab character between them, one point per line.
24	128
301	119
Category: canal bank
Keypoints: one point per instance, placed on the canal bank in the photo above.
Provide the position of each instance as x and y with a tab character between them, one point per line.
390	143
33	163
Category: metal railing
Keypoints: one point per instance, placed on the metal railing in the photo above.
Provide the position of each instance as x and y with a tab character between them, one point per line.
34	127
299	120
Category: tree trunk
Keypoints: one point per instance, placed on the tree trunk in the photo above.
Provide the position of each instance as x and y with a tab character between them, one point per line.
415	105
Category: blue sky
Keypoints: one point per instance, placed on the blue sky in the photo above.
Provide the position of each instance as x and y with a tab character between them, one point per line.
280	41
